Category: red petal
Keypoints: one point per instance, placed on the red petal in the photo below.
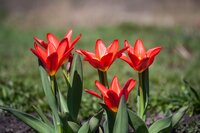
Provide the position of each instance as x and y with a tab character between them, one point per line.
139	49
68	35
62	48
93	93
153	52
115	86
40	51
75	40
39	56
112	101
89	55
106	61
113	48
100	49
134	59
126	59
127	88
41	42
130	48
142	65
101	88
50	49
52	62
53	40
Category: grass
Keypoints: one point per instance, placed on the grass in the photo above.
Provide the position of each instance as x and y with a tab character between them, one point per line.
20	84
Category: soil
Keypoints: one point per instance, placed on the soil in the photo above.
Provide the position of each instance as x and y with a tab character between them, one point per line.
10	124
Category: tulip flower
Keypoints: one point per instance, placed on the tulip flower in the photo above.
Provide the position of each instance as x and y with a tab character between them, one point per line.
139	59
103	57
55	42
54	52
112	95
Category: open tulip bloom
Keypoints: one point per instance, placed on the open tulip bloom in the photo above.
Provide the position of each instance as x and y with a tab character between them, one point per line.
54	52
139	59
103	57
112	95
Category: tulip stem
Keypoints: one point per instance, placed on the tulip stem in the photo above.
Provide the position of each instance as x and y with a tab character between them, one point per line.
103	78
143	93
54	87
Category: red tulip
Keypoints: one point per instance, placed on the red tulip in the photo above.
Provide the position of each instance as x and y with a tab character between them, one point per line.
103	57
54	53
139	59
112	95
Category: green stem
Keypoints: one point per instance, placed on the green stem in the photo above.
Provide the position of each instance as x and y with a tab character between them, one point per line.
65	74
143	93
54	87
103	78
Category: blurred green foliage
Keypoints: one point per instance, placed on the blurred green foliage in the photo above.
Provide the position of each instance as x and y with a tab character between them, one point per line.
20	84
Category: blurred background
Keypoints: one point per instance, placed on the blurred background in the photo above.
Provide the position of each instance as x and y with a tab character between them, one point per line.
172	24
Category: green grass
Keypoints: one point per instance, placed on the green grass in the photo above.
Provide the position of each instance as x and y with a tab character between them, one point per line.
20	84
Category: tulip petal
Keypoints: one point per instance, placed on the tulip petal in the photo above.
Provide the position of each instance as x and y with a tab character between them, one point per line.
115	86
62	48
112	101
41	42
89	55
40	51
93	93
143	64
113	48
53	40
101	88
153	52
39	56
52	63
68	35
130	48
126	59
50	49
100	49
106	60
127	88
139	49
75	40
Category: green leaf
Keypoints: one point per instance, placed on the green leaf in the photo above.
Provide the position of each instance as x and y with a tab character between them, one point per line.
30	120
143	93
137	123
63	103
48	93
42	116
110	119
161	126
85	128
178	116
121	122
75	91
74	126
95	121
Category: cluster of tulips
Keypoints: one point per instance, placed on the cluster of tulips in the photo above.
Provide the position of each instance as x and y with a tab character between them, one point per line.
114	115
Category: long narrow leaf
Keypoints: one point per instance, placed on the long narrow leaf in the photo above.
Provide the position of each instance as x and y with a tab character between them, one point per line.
121	122
178	116
75	91
161	126
85	128
42	115
95	121
49	95
63	103
137	123
30	120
